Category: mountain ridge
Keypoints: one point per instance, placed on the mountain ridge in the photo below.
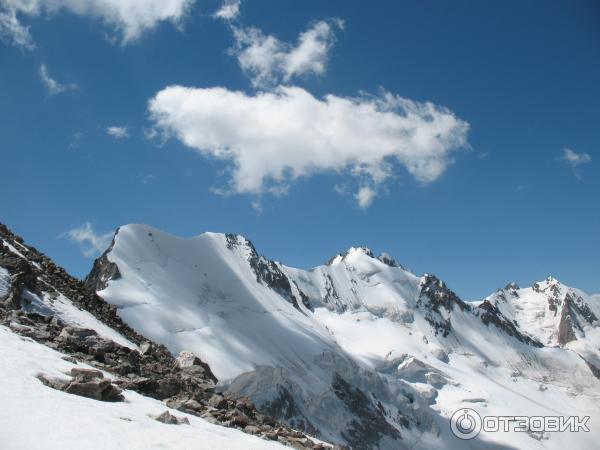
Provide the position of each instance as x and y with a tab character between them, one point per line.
359	352
290	339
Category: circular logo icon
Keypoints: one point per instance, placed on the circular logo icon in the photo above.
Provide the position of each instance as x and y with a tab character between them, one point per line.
465	423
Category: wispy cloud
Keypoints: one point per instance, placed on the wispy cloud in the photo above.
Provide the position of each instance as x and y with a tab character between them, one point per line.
91	242
118	132
288	133
76	139
575	160
129	18
229	10
53	86
146	178
12	31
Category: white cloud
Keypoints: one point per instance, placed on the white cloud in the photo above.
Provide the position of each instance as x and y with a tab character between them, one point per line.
129	18
365	196
229	10
52	86
269	61
272	138
92	243
118	132
575	159
13	31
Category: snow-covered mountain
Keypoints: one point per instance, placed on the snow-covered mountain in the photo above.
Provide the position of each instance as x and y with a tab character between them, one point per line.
360	351
556	315
73	375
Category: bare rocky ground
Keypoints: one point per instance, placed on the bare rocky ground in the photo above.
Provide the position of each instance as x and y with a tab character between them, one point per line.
184	383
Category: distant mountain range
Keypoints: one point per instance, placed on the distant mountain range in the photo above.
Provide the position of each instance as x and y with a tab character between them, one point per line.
358	352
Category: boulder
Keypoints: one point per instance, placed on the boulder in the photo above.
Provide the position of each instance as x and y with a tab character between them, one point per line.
59	384
102	390
86	375
191	365
170	419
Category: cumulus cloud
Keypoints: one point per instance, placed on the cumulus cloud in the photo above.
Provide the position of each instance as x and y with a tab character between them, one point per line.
118	132
268	61
272	138
52	86
575	160
229	10
129	18
365	196
92	243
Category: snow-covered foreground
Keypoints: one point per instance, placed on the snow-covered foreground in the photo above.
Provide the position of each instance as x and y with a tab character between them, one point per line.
34	416
361	351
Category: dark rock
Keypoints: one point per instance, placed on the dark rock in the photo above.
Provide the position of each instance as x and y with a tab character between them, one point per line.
435	295
85	375
102	390
170	419
388	260
490	314
371	425
565	325
103	271
268	272
192	365
239	420
218	401
195	406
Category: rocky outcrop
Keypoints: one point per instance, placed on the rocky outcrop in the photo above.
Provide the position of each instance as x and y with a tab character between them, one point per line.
102	271
268	272
170	419
434	296
565	332
86	383
574	315
490	314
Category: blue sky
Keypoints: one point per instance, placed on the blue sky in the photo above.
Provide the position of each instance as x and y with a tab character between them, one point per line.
310	149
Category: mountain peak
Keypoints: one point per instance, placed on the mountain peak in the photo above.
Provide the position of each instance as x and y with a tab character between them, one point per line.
383	257
338	258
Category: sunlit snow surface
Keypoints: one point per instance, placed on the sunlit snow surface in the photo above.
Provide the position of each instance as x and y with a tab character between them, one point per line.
198	294
36	417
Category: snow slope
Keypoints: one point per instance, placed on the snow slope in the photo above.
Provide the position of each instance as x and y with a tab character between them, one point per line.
32	415
359	351
198	294
63	308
